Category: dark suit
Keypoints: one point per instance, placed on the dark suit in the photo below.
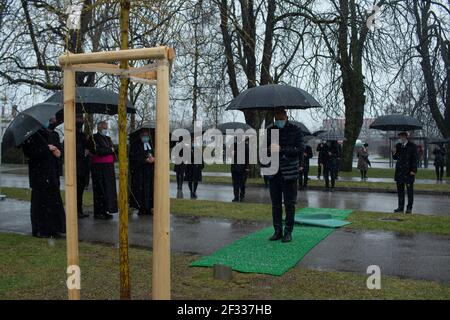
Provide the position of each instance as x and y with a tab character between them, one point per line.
305	160
83	168
283	184
406	156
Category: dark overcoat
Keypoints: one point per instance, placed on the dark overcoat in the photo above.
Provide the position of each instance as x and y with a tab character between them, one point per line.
406	156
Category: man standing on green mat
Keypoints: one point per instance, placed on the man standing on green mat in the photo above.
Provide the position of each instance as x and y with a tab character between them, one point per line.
283	184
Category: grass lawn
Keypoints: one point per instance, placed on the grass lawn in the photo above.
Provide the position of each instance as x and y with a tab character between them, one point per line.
35	269
413	223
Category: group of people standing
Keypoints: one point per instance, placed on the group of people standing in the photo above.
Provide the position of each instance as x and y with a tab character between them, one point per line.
329	157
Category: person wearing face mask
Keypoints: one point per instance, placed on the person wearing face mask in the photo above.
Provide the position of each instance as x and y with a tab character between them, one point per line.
405	171
193	171
142	168
83	164
43	150
283	184
103	173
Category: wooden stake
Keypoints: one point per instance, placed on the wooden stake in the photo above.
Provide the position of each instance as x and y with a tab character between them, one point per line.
70	175
161	218
125	290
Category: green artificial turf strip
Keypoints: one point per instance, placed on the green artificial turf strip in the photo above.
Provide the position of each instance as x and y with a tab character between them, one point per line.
322	217
255	254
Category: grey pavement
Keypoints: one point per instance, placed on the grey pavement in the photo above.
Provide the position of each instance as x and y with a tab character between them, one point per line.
361	201
424	257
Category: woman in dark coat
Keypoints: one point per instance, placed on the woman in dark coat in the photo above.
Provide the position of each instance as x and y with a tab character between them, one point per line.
43	150
193	171
142	168
439	161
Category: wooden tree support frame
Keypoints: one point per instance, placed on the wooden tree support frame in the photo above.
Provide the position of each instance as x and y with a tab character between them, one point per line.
157	74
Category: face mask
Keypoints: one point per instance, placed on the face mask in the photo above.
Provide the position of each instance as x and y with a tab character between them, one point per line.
145	139
46	125
104	132
280	123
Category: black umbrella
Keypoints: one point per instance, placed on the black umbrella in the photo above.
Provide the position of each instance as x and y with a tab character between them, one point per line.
273	96
149	125
27	123
233	126
94	100
331	136
439	141
318	132
396	122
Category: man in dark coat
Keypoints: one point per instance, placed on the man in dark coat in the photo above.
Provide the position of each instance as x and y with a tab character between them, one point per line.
440	154
239	169
43	150
331	155
193	171
405	171
83	165
320	155
304	167
103	174
283	184
142	171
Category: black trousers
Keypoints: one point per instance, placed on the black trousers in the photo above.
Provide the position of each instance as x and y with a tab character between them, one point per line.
81	186
303	178
401	195
47	212
329	173
319	170
239	179
439	172
281	189
180	179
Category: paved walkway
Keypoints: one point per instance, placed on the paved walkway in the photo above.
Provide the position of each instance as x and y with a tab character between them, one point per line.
416	257
361	201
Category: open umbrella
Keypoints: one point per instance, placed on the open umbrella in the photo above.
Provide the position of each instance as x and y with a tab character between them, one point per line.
331	136
27	123
233	126
94	100
269	97
396	122
439	141
318	132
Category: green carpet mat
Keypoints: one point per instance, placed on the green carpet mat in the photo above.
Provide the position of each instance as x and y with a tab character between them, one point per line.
255	254
322	217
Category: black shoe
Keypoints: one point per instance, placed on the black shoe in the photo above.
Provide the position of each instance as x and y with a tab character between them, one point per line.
235	200
59	235
42	236
103	216
82	215
192	195
276	236
195	195
398	210
408	211
242	198
287	237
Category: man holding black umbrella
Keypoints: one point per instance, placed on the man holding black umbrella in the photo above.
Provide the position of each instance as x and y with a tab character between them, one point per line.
405	171
283	184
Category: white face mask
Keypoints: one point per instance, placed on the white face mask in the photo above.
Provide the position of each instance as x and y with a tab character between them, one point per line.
104	132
